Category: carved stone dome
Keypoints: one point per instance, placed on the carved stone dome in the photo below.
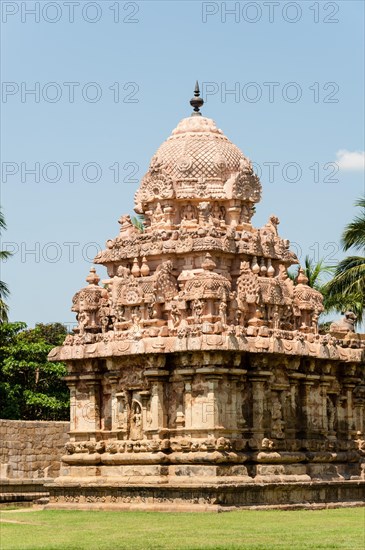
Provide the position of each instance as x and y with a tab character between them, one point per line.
197	162
198	149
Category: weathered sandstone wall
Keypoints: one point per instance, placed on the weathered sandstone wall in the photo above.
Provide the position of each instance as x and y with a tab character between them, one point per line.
31	449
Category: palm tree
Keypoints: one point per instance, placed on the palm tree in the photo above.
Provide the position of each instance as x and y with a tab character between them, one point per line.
4	289
313	271
347	288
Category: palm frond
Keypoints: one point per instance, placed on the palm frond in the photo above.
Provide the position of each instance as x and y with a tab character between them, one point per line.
2	220
347	288
349	277
354	233
4	254
360	202
315	272
4	290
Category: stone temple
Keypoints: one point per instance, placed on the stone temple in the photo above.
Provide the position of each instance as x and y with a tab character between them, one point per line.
197	373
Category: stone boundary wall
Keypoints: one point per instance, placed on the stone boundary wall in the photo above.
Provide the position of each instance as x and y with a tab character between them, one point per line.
31	449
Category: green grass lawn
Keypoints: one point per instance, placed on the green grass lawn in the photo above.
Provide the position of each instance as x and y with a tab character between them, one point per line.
264	530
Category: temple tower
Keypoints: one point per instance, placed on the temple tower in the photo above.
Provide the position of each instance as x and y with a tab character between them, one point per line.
197	371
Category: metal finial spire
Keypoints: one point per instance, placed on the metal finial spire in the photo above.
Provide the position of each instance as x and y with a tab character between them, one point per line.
196	101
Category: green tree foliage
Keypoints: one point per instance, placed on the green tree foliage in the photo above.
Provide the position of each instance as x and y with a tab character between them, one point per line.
31	388
314	271
138	222
347	288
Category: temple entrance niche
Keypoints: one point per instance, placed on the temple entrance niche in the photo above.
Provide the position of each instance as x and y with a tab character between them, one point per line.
136	422
133	414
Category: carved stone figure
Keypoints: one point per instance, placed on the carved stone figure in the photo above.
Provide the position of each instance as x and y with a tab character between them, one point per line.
166	285
223	313
189	213
83	320
175	314
276	415
136	421
346	324
197	308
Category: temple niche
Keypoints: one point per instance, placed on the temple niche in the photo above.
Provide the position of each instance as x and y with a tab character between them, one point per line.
197	373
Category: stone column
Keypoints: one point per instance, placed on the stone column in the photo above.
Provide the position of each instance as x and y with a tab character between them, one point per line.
121	413
306	428
158	413
359	406
329	404
73	405
93	414
341	416
113	412
145	398
312	406
187	376
349	382
292	415
359	416
71	382
349	387
278	415
209	412
188	404
258	380
236	421
324	414
234	212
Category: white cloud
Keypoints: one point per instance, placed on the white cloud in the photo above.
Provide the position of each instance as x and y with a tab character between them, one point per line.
350	160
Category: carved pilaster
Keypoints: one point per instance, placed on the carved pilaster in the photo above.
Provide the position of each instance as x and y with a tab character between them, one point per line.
258	380
158	419
306	427
187	375
349	387
210	410
146	411
236	419
109	411
278	392
71	382
92	415
122	413
292	412
73	405
359	409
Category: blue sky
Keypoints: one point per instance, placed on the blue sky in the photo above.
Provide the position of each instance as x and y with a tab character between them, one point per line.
297	71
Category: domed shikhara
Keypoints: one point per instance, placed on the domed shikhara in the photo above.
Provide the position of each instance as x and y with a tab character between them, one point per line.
196	264
198	161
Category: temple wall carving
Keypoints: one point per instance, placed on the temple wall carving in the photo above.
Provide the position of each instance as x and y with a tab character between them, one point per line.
219	408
